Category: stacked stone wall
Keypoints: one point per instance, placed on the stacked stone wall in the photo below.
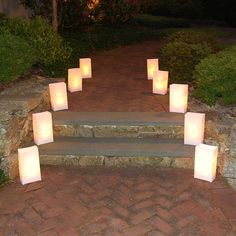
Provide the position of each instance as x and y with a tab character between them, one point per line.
17	105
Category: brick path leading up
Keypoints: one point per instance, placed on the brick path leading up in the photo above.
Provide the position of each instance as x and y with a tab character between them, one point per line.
119	82
118	202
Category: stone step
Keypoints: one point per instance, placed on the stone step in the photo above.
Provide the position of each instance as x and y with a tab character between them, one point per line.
119	152
118	124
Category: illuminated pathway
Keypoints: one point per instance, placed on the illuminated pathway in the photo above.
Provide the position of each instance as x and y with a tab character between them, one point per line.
119	82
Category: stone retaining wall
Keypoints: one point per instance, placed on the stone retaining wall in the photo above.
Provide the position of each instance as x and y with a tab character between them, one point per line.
16	107
221	131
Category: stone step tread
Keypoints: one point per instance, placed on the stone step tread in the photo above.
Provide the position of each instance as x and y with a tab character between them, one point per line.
127	147
117	118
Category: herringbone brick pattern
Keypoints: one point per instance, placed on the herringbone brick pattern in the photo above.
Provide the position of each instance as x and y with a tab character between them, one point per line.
120	82
118	202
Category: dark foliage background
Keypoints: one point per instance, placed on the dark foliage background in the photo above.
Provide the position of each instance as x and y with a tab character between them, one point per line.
77	12
71	13
194	9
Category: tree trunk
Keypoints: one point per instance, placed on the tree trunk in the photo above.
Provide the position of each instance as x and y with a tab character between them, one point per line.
54	15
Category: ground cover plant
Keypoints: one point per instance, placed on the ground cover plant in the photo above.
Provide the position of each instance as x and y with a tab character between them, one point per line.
16	57
48	46
215	78
38	32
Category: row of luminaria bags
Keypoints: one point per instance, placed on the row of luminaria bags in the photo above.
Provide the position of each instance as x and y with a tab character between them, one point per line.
194	123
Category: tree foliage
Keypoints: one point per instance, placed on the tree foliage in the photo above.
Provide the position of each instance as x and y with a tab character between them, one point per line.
194	9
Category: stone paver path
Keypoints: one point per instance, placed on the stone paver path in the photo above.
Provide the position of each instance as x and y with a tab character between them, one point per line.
119	82
118	202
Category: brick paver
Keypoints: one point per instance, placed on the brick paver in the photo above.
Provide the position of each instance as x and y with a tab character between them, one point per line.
131	202
119	82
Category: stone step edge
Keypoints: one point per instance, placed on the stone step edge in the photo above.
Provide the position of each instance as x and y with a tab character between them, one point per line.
129	147
118	118
120	162
175	131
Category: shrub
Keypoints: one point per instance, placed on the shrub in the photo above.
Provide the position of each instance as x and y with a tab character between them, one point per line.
16	57
48	44
194	37
160	22
180	58
183	50
216	78
119	11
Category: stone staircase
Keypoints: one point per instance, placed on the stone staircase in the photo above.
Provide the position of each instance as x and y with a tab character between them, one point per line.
118	139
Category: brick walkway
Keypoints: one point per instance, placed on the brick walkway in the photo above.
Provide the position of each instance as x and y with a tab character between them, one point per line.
118	202
119	82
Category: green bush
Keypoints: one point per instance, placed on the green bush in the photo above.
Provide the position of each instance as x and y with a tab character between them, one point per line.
49	46
183	50
194	37
216	78
160	22
16	57
180	58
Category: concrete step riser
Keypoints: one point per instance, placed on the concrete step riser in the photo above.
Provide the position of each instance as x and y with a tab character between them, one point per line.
120	162
101	131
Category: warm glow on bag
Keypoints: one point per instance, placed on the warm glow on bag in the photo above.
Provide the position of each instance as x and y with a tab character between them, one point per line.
29	166
160	82
74	80
194	125
152	66
205	162
178	98
86	68
58	96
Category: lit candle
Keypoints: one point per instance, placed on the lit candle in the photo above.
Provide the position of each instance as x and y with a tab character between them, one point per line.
194	125
160	82
178	98
86	68
42	128
58	96
152	65
205	162
74	80
29	166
